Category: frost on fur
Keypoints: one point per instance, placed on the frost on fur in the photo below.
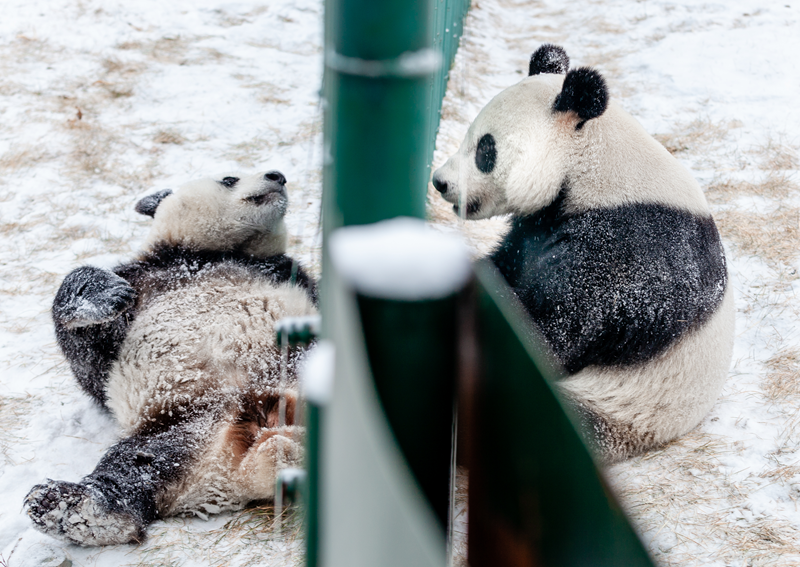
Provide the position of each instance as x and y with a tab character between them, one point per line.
612	252
79	514
179	345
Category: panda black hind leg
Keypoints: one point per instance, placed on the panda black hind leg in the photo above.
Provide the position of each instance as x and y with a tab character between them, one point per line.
123	495
91	316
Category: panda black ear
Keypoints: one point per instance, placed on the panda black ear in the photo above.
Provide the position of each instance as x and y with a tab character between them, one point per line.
585	93
148	205
549	58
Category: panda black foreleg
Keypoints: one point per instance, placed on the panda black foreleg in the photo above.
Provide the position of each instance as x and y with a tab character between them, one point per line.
121	497
91	312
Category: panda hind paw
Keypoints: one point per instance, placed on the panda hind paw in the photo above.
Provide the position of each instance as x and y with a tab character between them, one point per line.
79	514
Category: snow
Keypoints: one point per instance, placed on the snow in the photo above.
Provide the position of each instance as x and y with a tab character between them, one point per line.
104	101
716	83
316	373
400	259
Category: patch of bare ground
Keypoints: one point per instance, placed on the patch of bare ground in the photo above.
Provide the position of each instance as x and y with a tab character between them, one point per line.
166	49
169	137
21	159
256	150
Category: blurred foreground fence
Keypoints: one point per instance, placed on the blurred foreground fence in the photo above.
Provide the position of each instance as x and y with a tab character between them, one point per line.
404	352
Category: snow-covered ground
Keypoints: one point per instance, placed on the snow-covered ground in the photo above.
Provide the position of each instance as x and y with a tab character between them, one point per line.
102	101
717	83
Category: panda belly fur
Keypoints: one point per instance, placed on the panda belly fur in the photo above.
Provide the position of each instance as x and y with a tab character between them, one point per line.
634	302
192	378
201	343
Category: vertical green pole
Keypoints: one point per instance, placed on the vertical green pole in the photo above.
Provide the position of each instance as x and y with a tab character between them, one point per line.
378	61
378	64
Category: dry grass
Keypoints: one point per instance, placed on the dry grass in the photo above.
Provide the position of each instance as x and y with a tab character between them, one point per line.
721	526
169	137
772	236
782	381
776	155
23	159
776	185
13	413
695	135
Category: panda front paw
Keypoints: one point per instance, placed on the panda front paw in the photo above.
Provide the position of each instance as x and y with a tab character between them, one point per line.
80	514
91	296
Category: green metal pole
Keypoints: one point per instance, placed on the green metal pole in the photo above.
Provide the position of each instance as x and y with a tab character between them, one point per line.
411	346
378	63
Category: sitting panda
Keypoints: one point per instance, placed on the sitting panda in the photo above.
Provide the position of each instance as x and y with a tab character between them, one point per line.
612	251
180	346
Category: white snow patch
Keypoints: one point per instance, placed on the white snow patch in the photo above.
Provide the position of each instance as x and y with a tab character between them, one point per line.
400	259
317	373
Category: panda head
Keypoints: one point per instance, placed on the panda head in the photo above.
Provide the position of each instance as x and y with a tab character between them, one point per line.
227	213
520	150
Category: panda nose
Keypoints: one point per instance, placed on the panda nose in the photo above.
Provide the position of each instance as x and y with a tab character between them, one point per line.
441	186
275	176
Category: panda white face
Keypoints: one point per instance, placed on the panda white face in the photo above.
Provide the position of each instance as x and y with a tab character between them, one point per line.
229	212
515	155
523	146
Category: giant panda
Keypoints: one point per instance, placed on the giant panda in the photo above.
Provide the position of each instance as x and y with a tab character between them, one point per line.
612	251
179	344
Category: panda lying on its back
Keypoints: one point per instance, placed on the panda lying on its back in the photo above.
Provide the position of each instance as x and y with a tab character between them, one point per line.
612	251
179	345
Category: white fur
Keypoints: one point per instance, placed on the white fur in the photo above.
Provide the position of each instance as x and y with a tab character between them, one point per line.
205	214
666	397
213	338
610	161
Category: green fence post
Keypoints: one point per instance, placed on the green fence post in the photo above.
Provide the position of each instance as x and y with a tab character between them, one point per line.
535	495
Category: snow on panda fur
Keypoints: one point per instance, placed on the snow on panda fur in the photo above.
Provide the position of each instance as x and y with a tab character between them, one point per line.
179	345
612	251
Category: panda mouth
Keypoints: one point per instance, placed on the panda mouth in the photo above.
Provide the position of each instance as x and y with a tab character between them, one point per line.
472	208
264	198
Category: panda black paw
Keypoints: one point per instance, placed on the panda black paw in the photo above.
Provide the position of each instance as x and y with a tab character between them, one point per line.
80	514
90	296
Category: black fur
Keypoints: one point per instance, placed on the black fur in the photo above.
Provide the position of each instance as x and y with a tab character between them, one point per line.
486	154
584	92
92	349
129	479
148	205
617	286
90	295
548	58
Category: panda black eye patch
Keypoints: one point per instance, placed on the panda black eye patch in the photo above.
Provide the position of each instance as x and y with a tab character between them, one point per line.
229	181
486	154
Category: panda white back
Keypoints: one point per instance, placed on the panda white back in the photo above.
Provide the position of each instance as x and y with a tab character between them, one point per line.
612	251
